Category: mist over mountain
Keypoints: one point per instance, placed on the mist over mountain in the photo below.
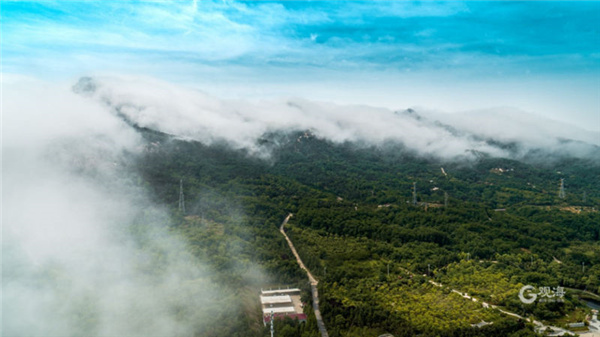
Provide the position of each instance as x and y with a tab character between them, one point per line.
420	163
94	242
192	114
86	251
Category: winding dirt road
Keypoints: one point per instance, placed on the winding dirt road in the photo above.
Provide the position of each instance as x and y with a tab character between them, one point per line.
313	281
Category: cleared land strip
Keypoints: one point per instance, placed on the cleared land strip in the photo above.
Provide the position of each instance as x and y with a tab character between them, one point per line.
313	281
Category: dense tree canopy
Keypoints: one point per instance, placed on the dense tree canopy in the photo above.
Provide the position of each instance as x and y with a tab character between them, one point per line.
486	226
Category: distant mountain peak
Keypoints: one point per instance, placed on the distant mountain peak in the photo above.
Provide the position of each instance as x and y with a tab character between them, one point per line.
85	86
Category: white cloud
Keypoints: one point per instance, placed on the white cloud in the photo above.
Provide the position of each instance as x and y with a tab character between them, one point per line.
193	114
84	251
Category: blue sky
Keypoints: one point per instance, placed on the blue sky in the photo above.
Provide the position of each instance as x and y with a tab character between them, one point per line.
543	57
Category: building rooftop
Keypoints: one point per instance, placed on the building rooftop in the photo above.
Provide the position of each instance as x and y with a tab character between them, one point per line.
280	291
275	299
280	310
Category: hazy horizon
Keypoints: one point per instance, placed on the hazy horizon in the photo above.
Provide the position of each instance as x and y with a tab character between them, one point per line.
539	57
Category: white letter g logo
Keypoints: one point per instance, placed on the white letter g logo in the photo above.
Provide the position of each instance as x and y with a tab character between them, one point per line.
532	297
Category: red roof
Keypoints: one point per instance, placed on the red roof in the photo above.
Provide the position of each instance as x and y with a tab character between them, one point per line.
300	317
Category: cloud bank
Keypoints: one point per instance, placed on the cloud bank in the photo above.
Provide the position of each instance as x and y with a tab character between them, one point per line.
191	114
451	56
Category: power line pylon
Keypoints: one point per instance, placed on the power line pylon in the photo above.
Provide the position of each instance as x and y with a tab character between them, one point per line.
181	198
414	193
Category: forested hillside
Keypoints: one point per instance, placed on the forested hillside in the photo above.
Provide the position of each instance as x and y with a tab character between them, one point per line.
486	226
327	168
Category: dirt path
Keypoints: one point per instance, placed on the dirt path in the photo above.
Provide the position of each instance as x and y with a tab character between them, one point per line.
313	281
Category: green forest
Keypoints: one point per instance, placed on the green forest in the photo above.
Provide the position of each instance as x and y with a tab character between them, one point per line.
380	228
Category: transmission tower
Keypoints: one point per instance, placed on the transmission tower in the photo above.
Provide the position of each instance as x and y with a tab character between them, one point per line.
414	193
561	193
181	200
445	199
